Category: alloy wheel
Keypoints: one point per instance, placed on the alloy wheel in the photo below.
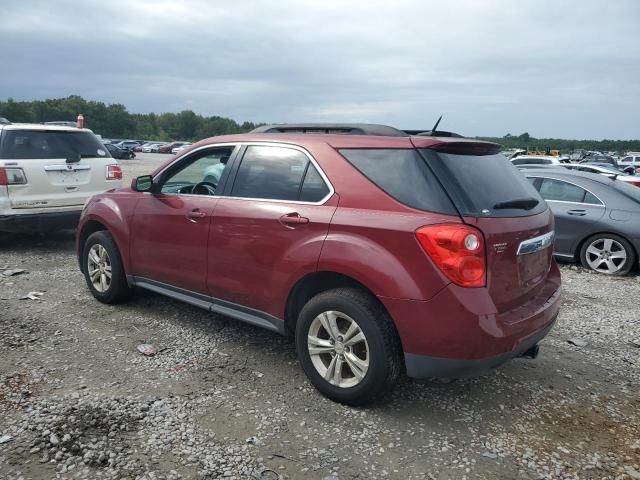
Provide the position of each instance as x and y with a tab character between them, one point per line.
606	255
99	268
338	349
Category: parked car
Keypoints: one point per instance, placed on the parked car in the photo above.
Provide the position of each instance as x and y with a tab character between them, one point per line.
597	218
170	146
119	153
380	253
152	147
632	159
607	170
128	144
180	148
600	159
47	173
537	160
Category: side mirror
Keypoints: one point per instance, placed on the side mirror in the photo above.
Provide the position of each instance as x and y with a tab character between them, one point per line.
144	183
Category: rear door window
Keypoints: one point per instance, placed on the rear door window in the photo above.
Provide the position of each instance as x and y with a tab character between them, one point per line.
54	144
278	173
403	175
559	191
485	185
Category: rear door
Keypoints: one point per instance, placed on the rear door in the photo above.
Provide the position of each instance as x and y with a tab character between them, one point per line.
62	167
493	196
269	227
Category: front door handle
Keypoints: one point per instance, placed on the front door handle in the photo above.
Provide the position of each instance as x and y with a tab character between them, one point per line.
292	219
195	214
577	213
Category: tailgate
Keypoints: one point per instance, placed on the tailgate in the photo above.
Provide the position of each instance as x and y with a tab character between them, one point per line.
519	256
55	183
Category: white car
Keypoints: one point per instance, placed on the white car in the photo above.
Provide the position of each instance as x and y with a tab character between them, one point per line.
152	147
608	172
47	173
539	160
180	148
630	159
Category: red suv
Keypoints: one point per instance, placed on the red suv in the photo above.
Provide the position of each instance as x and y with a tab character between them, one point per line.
380	251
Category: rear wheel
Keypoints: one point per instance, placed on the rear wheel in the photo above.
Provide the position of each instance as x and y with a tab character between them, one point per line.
608	253
348	346
103	270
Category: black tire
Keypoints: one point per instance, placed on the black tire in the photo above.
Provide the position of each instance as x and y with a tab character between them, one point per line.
118	290
131	155
385	351
624	268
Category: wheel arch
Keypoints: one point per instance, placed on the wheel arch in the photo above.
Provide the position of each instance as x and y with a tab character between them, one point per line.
317	282
89	227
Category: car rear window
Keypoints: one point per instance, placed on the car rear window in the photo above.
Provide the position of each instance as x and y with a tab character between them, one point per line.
403	175
54	144
485	185
627	190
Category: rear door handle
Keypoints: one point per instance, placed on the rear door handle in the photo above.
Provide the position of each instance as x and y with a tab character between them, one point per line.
292	219
195	214
577	213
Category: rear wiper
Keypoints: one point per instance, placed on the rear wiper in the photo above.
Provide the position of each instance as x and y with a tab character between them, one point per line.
522	203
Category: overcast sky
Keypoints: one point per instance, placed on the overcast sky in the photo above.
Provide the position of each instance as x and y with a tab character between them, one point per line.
555	69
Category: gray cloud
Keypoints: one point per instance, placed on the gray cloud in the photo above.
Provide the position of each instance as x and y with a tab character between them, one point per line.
491	67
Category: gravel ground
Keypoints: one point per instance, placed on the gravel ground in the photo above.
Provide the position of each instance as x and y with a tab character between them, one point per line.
222	399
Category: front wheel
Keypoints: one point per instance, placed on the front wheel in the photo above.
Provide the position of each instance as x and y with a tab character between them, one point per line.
607	253
348	346
103	270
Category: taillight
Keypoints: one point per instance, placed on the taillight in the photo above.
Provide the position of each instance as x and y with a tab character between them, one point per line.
457	250
635	184
114	172
12	176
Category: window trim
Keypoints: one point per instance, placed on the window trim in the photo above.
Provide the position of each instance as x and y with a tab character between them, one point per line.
601	204
189	154
239	151
313	161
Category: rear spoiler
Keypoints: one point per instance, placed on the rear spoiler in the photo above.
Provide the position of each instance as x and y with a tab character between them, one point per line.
458	146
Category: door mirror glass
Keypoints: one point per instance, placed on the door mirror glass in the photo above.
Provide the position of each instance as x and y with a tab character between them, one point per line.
142	183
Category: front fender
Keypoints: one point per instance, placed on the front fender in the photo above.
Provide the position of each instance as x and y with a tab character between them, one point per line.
114	213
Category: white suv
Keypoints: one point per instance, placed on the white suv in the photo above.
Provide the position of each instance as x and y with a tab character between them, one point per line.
47	173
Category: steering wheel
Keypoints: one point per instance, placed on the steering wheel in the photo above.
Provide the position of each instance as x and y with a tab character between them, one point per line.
204	188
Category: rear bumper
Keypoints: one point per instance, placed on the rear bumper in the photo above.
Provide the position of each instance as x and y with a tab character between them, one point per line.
39	222
460	331
422	366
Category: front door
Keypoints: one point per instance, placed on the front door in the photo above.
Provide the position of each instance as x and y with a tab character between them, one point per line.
170	228
268	229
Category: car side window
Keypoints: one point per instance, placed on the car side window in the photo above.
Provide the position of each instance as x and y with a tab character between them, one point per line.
560	191
313	188
276	173
535	181
203	169
591	199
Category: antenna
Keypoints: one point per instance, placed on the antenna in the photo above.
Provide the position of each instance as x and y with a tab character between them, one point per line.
435	127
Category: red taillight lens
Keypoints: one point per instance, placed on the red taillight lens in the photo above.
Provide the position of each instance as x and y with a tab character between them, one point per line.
12	176
635	184
457	250
114	172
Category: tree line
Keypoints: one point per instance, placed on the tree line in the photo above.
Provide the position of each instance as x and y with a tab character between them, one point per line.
528	142
114	121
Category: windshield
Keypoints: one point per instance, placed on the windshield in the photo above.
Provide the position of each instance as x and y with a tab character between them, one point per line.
45	144
485	185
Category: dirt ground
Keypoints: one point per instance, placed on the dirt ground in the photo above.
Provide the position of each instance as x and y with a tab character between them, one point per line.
222	399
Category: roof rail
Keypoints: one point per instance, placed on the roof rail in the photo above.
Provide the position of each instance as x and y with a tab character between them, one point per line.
4	121
430	133
333	128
